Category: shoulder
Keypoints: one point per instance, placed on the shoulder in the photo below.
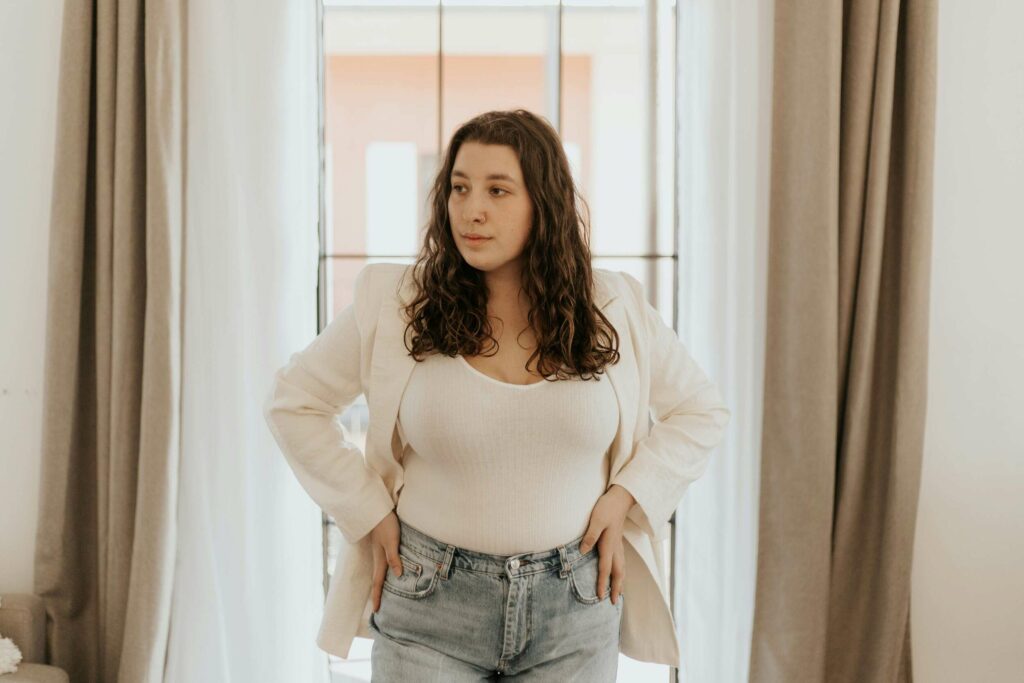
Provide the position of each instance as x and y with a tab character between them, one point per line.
374	279
375	285
380	272
615	277
611	284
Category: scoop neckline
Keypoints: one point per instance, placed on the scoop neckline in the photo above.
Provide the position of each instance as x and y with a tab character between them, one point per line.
494	380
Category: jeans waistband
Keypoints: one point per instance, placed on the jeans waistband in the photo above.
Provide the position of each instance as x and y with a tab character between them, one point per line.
446	555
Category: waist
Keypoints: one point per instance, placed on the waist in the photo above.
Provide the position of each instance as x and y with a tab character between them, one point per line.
428	547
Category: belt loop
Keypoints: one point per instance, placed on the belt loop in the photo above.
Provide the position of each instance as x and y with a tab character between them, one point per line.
565	562
446	563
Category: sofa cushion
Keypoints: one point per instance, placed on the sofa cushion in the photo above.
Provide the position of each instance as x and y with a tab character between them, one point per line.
35	673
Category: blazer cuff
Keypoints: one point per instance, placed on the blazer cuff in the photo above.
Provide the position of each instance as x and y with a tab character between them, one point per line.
650	512
374	505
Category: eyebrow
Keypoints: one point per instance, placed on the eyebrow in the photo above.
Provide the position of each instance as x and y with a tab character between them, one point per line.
492	176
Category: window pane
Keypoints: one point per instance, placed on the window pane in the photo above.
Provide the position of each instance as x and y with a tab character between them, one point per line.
665	106
380	115
604	110
494	58
391	171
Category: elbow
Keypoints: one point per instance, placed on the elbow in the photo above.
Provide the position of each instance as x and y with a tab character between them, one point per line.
270	402
722	416
717	410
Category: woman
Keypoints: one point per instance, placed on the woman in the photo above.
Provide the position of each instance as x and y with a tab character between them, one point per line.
520	469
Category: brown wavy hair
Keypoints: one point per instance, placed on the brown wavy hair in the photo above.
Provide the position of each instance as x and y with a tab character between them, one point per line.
449	311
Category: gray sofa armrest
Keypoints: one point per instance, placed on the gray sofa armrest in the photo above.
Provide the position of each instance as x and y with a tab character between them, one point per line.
23	620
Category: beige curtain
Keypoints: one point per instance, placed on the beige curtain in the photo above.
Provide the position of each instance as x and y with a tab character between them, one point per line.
846	346
105	544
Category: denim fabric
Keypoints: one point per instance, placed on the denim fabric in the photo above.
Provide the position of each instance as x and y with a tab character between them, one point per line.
459	615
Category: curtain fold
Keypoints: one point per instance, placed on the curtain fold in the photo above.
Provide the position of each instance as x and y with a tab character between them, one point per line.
248	589
173	543
106	535
846	341
724	91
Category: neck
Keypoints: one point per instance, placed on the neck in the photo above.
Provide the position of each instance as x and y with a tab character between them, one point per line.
504	286
506	297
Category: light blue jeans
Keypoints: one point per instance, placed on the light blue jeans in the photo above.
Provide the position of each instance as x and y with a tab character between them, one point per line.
458	615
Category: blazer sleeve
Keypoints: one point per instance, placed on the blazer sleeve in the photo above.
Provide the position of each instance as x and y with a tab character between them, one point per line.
689	421
308	394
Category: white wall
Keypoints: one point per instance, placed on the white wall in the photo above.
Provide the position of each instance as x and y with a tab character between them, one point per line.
29	54
968	577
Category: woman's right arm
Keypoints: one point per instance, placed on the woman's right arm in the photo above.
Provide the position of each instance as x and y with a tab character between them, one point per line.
308	394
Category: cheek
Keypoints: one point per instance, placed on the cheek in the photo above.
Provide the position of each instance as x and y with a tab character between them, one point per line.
525	221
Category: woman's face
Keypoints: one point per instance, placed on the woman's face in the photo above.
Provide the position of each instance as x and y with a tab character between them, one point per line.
489	198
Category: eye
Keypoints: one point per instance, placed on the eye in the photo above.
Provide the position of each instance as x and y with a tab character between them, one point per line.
457	187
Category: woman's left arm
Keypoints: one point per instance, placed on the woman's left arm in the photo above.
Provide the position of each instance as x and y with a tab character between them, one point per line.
689	421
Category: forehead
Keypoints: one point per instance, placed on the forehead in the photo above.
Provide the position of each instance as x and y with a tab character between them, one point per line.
478	160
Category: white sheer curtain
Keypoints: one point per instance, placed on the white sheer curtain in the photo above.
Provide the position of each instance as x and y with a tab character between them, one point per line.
248	593
724	87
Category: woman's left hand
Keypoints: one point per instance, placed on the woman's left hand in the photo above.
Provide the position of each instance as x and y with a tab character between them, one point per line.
605	531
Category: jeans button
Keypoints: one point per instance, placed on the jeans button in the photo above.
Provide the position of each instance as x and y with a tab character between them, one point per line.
514	564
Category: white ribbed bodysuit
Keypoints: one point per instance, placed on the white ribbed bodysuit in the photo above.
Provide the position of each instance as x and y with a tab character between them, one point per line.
502	468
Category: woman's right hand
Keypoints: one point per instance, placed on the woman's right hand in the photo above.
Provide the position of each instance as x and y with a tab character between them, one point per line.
384	539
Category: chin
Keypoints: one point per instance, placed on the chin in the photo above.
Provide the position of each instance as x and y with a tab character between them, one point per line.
472	259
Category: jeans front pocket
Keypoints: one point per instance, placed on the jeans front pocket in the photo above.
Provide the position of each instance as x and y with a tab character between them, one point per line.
418	579
583	578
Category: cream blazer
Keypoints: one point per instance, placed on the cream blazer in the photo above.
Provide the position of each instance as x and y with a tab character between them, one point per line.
361	352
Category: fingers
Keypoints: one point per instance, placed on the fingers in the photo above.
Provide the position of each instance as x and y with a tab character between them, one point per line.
379	569
394	560
604	568
613	566
617	574
589	540
384	557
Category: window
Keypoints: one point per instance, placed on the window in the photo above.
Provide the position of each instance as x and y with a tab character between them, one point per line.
399	77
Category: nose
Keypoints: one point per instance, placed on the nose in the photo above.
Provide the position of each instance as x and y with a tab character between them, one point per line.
472	209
